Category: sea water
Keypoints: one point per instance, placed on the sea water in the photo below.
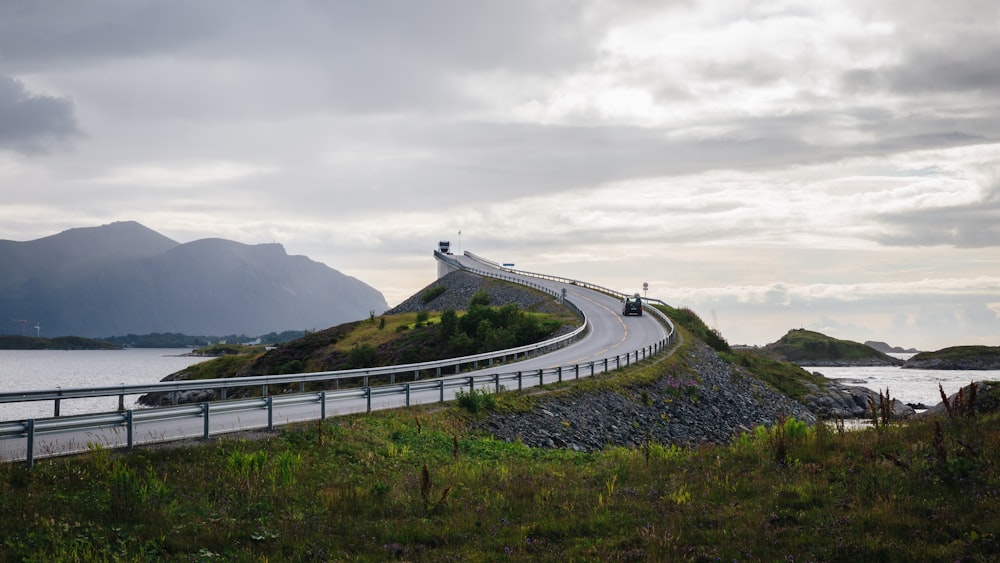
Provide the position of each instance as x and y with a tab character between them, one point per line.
30	370
911	386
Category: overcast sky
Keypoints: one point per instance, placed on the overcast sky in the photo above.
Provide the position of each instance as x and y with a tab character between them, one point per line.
772	165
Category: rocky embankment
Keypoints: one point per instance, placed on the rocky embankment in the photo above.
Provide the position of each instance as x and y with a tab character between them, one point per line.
718	404
459	287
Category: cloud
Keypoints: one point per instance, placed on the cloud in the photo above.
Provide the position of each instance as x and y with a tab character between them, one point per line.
33	123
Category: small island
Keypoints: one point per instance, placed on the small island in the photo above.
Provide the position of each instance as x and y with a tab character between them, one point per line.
808	348
957	357
16	342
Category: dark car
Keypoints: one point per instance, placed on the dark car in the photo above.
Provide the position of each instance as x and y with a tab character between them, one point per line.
632	306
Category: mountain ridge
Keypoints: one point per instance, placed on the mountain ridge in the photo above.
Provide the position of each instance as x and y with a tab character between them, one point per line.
125	278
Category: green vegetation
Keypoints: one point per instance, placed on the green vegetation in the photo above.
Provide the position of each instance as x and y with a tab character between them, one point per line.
956	352
432	293
697	327
416	485
179	340
958	357
391	339
788	378
14	342
800	345
228	350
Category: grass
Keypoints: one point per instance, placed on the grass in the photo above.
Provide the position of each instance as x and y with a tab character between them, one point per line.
416	485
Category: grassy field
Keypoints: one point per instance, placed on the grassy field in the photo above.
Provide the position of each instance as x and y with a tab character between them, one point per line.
417	485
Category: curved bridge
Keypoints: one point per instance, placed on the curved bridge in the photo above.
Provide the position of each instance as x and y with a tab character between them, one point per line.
606	341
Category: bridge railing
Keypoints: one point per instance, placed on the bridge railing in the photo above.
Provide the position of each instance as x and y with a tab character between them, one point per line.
124	424
569	281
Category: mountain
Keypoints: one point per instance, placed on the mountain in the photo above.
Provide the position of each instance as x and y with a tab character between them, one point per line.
125	278
809	348
884	347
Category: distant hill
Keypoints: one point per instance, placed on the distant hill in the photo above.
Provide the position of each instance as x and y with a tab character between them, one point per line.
958	357
884	347
809	348
8	342
125	278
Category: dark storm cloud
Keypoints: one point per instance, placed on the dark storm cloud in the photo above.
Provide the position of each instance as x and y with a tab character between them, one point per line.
30	122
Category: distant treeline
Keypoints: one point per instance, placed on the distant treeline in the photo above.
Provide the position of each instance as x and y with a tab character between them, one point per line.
178	340
13	342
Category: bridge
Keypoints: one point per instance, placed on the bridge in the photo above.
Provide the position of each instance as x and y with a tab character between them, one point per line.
604	342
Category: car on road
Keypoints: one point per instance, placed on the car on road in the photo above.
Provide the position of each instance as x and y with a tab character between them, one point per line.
632	306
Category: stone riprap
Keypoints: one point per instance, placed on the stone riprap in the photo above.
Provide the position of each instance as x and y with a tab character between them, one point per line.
711	405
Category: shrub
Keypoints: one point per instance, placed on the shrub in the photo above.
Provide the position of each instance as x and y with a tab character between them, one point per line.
475	400
432	293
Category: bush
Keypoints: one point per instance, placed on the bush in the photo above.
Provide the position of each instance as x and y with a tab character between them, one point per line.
476	400
432	293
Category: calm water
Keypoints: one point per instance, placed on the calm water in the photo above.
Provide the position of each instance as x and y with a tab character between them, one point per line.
908	385
24	370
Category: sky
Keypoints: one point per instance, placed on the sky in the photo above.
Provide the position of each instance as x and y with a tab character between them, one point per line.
771	165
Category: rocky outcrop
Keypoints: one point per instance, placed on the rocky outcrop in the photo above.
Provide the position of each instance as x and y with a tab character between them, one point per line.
712	405
838	400
985	399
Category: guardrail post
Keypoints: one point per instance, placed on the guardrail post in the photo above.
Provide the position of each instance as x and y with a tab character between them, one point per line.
519	383
129	429
264	391
31	443
121	399
416	375
302	387
368	397
204	412
224	393
173	398
472	384
322	405
407	394
58	400
605	365
496	382
270	413
392	379
441	388
541	377
576	371
591	369
559	371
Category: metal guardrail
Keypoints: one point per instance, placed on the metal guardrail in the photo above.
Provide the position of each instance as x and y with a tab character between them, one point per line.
569	281
127	419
